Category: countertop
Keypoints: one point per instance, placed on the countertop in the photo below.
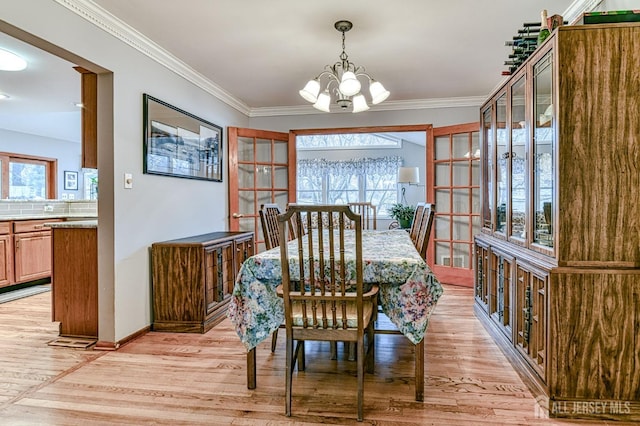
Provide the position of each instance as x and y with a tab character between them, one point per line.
74	224
72	216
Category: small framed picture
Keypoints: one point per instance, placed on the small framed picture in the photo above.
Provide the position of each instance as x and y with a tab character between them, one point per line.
71	180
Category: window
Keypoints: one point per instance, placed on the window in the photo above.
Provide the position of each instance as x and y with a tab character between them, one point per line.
322	181
26	177
347	141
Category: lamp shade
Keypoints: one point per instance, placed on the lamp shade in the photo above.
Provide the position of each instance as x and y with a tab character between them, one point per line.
378	92
349	85
409	175
323	101
359	103
310	91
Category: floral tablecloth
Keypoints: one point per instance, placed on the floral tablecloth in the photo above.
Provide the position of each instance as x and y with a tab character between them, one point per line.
408	289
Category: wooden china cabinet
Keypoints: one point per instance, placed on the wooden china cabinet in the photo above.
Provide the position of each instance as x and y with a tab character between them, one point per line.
557	264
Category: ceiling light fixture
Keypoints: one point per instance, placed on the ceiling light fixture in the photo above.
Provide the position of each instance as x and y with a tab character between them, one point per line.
9	61
347	86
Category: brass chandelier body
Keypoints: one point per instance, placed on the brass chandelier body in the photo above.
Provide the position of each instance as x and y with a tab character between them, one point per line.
342	79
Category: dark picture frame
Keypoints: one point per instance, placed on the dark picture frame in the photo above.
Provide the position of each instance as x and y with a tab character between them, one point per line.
177	143
70	180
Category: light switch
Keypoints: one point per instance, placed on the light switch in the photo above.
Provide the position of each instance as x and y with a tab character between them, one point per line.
128	181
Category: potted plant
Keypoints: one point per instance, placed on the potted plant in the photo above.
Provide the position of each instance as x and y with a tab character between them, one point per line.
403	214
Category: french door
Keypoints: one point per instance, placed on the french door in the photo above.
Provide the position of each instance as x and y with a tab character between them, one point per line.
453	162
261	170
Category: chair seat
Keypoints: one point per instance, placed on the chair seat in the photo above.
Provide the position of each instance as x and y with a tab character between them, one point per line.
352	312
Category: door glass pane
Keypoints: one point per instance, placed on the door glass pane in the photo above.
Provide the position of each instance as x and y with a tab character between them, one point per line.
282	198
518	159
487	168
461	229
461	255
245	175
27	181
442	227
442	201
246	225
281	177
461	200
263	176
461	173
263	150
441	147
247	202
442	174
543	149
502	147
442	255
264	197
280	152
460	146
245	149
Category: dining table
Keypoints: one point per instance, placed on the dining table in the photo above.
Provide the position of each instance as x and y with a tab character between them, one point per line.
408	292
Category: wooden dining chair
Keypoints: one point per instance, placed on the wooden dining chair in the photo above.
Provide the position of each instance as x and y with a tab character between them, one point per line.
417	221
424	232
331	304
368	213
269	221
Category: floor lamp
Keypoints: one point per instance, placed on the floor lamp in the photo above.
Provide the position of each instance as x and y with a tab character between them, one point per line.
409	175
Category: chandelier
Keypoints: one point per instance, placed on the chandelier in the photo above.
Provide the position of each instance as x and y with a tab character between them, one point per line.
343	75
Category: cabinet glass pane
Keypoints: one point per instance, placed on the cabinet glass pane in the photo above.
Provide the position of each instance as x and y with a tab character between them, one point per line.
245	149
543	152
502	153
441	147
518	159
461	146
487	166
263	149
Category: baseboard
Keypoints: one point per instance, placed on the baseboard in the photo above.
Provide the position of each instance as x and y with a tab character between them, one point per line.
102	345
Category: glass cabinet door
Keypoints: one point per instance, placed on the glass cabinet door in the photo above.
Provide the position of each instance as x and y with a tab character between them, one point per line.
502	170
487	168
543	152
518	160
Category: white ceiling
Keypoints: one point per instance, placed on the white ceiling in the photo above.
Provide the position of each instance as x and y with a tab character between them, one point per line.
262	52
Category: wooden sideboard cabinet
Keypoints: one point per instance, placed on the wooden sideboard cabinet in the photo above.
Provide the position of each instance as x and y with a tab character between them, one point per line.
6	255
193	277
557	264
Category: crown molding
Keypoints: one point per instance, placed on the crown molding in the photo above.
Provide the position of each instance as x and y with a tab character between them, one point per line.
130	36
473	101
99	17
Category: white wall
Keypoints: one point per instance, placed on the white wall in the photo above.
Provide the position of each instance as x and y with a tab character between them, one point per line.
157	208
68	154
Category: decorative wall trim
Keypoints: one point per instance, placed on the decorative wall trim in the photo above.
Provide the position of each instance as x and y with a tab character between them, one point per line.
127	34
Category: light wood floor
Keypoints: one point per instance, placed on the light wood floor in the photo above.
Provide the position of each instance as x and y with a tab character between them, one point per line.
194	379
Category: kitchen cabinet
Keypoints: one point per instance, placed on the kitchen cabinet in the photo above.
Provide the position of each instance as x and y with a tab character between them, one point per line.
6	255
558	257
25	251
193	278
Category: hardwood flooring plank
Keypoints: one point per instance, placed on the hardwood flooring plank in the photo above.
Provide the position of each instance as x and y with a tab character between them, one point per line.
200	379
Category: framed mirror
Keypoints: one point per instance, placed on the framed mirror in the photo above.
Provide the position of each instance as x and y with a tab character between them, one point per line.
177	143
